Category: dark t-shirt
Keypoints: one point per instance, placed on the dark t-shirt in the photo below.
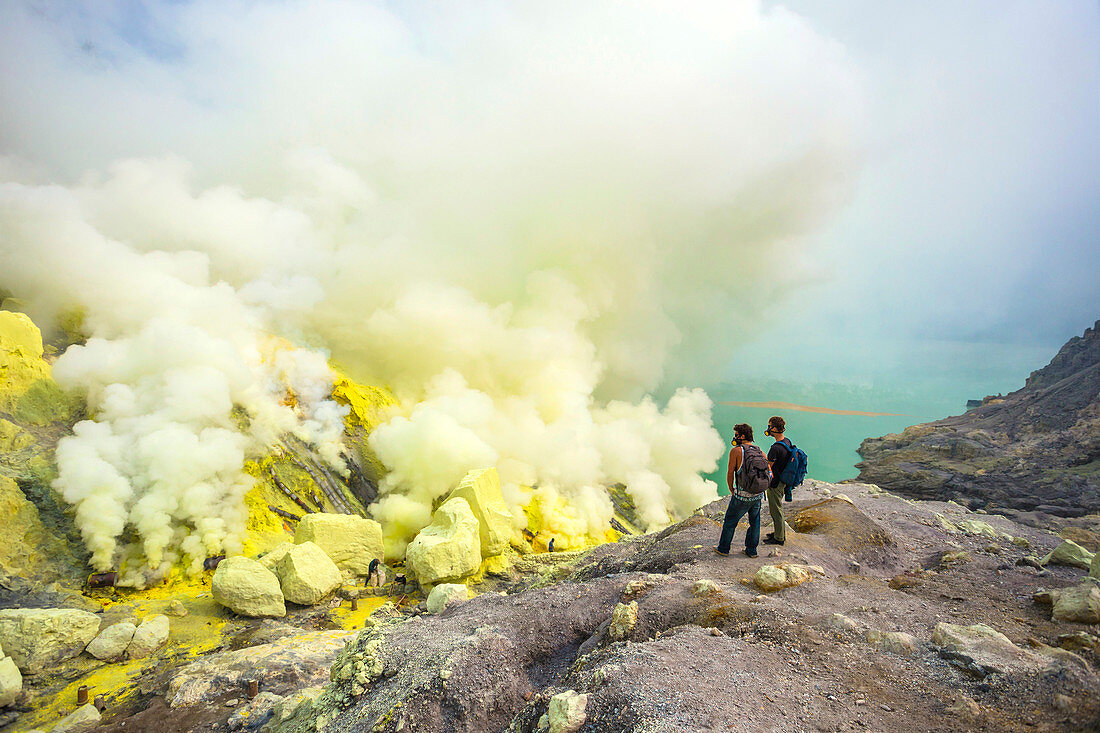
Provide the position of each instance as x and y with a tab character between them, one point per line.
779	455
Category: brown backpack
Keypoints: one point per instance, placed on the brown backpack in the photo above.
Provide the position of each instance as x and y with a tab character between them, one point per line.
755	475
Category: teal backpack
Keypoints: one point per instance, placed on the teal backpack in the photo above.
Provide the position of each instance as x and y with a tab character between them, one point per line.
794	473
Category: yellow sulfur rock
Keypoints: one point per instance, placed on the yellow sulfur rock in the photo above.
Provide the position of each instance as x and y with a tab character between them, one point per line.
306	574
447	549
351	541
481	489
246	587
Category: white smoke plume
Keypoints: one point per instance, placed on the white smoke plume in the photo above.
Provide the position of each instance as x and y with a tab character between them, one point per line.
521	217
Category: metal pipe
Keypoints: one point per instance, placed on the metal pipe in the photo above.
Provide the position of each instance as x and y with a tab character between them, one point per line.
354	604
293	497
82	695
102	580
335	484
313	474
320	476
100	703
284	514
253	688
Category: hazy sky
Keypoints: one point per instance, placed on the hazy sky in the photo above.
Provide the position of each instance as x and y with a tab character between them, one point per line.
977	214
971	216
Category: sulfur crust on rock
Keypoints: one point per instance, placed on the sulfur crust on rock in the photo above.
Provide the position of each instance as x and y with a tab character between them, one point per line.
27	389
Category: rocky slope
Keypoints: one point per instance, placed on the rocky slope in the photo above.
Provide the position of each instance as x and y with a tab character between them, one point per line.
878	614
1035	450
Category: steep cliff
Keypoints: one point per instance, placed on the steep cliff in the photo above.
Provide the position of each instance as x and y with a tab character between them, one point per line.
1037	449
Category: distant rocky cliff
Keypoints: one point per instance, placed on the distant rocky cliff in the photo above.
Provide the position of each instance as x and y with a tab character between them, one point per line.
1037	450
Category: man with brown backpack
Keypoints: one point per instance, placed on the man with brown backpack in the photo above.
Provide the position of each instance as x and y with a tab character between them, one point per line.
747	477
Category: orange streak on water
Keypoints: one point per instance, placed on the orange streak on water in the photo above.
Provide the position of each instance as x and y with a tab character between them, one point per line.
808	408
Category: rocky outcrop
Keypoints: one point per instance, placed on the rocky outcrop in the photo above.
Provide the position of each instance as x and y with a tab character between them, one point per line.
1036	450
246	587
297	661
307	575
36	638
350	541
449	548
481	490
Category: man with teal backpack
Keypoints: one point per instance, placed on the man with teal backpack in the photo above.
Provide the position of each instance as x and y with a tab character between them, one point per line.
788	464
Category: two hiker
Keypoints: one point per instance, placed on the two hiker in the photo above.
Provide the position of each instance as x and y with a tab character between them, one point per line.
750	476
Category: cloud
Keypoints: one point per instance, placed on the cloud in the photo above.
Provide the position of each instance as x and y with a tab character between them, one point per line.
522	217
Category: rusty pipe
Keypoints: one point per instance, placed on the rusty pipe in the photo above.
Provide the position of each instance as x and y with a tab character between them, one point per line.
102	580
82	695
253	688
284	514
100	703
290	494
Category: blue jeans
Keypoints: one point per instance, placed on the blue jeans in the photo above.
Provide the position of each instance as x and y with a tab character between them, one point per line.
737	509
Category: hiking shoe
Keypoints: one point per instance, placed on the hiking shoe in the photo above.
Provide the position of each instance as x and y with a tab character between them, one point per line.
719	552
771	540
746	553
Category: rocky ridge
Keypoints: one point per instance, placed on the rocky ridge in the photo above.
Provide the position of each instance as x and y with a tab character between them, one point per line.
1032	454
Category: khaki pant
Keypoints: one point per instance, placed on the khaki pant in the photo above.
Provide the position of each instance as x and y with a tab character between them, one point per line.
775	506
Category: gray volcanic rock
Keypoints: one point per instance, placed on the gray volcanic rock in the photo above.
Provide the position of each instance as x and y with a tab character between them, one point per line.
1037	449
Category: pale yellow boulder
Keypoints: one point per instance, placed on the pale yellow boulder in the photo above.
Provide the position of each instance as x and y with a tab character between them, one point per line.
36	638
11	682
246	587
307	575
1094	567
449	548
481	489
1069	553
112	641
445	595
770	578
151	635
350	541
